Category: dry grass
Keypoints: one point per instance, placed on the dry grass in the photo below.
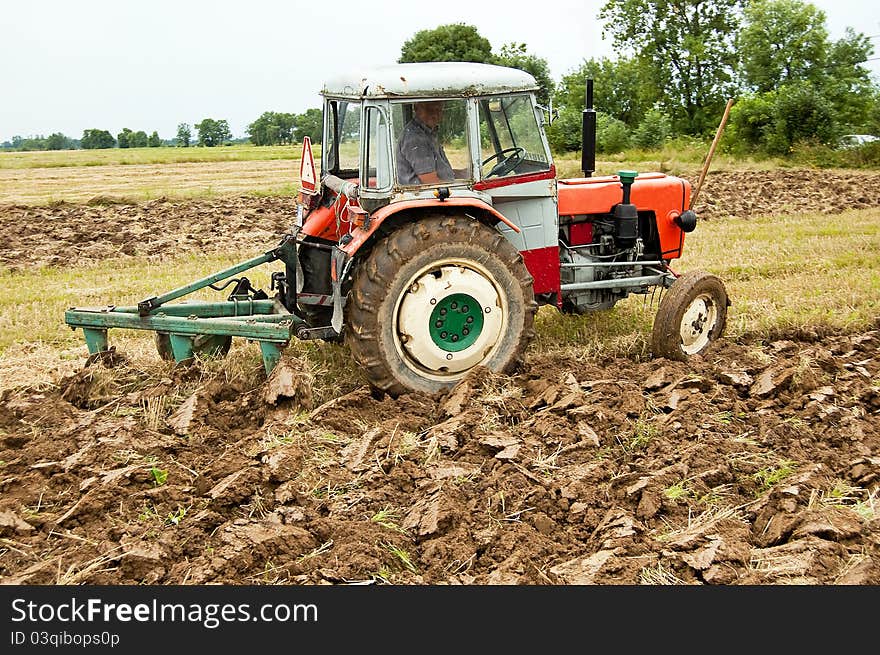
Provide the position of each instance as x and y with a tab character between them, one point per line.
782	273
165	155
140	182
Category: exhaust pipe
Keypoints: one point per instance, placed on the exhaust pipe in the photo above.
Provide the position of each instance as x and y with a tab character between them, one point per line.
588	134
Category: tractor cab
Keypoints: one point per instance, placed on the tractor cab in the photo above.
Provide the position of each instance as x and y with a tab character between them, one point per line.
418	130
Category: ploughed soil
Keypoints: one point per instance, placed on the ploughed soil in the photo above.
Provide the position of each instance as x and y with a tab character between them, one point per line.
757	463
66	234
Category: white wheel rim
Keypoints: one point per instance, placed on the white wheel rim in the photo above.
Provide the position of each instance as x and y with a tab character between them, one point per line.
429	286
697	324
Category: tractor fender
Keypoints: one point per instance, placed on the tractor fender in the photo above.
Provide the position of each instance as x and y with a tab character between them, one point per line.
360	235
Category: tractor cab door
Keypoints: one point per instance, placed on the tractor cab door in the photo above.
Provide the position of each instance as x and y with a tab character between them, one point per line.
516	170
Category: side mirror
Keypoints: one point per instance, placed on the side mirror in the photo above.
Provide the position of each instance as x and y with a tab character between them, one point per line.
548	114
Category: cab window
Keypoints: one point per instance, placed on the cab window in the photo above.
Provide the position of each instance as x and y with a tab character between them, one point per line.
343	138
510	138
377	168
431	142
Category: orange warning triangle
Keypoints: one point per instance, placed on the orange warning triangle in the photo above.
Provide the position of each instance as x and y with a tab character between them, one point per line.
307	167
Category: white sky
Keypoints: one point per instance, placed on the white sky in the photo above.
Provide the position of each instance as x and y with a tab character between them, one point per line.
69	65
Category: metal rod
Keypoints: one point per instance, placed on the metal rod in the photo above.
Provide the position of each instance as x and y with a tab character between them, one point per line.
250	328
598	264
212	309
623	283
152	303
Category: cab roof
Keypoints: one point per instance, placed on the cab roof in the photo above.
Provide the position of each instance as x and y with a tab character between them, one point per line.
441	79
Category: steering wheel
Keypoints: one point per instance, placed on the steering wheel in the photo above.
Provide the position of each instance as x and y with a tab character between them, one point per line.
513	157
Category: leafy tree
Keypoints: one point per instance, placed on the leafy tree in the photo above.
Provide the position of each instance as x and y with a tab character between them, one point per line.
213	132
566	132
137	139
621	88
687	49
94	139
153	140
124	138
515	55
58	141
848	84
785	44
750	122
184	135
310	124
272	128
455	42
782	41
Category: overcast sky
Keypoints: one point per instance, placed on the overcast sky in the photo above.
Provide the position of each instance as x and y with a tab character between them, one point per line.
69	65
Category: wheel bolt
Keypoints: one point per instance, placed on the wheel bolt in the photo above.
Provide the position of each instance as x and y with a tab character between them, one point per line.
454	305
438	324
455	337
465	331
443	335
470	319
442	311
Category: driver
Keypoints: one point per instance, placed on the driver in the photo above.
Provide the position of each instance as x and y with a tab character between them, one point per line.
420	156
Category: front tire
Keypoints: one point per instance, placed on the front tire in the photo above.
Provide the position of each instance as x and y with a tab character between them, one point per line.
435	299
692	315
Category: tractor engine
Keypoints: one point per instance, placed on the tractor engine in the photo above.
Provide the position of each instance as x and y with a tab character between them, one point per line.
605	256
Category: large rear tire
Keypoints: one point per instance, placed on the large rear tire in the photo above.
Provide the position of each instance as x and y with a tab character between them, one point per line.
435	299
692	314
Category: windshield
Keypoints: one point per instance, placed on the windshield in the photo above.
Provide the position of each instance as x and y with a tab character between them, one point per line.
431	142
510	138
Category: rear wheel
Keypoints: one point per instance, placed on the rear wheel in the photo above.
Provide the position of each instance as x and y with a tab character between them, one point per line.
692	314
435	299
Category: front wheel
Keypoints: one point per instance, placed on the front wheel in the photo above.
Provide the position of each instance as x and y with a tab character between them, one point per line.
435	299
692	314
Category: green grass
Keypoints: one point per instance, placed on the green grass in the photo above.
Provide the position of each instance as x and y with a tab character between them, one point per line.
164	155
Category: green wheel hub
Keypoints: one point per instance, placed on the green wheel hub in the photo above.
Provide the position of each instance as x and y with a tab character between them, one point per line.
456	322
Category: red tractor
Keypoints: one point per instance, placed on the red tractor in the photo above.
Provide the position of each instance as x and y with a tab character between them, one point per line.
436	230
428	278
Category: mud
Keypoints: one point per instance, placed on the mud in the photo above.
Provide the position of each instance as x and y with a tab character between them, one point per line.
758	463
755	464
68	234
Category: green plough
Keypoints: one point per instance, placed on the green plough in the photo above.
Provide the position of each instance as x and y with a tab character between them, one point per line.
194	327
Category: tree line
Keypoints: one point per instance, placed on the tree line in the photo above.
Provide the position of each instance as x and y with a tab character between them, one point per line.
676	64
271	128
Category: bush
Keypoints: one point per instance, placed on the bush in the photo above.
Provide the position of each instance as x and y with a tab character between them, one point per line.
653	131
564	133
750	121
612	135
800	113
